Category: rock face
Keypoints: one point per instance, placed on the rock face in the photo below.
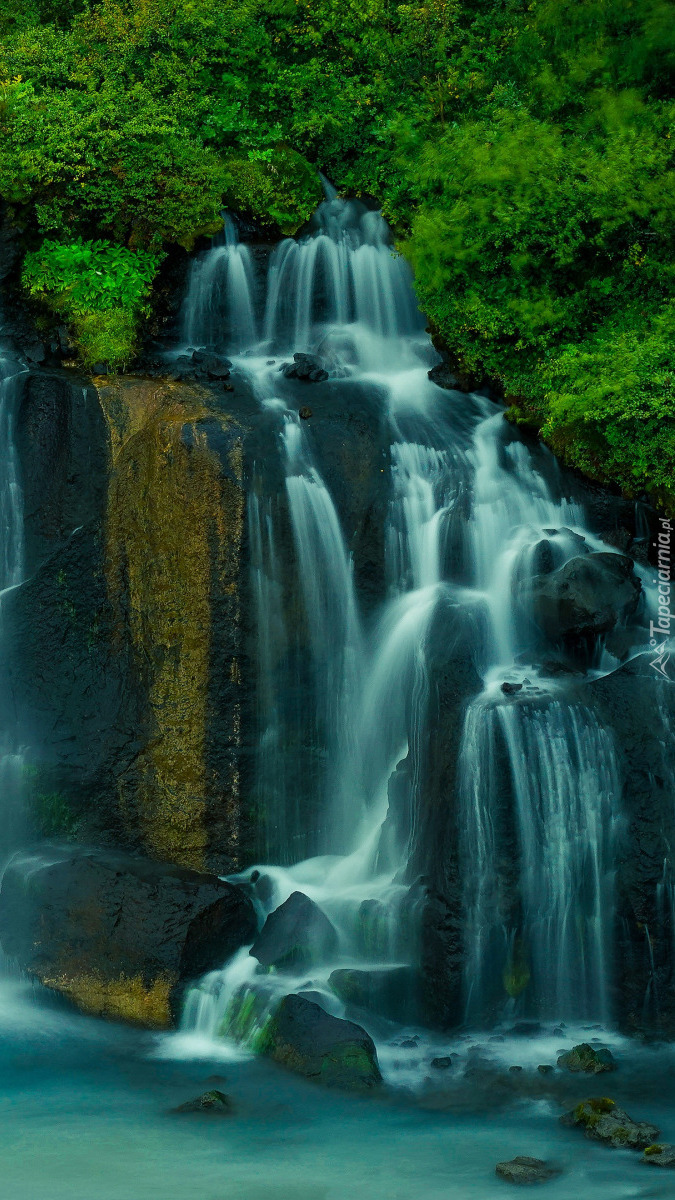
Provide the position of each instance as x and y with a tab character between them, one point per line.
603	1121
585	1058
523	1169
118	935
586	596
296	934
336	1053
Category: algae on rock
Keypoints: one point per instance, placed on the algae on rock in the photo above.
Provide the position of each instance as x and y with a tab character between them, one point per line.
173	539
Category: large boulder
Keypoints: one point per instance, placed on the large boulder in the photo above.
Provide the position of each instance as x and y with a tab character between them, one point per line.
388	991
119	936
586	1058
304	1038
586	596
603	1121
296	934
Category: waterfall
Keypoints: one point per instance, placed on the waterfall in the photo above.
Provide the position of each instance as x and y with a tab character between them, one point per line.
11	574
470	512
219	308
552	939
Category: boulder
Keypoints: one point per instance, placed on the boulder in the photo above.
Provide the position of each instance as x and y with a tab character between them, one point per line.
296	934
585	1058
213	1103
523	1169
120	936
603	1121
308	367
388	991
442	1063
660	1155
585	597
304	1038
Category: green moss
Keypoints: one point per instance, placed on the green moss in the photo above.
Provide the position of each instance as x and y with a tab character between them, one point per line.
53	814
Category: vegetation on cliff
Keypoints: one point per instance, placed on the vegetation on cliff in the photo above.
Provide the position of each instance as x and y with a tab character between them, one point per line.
524	152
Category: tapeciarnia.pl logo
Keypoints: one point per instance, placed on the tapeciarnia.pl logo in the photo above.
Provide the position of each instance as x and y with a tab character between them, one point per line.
659	631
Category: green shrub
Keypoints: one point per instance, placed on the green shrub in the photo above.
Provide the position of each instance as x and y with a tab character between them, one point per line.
100	288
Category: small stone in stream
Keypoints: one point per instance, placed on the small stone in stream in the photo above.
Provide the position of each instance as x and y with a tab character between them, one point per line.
559	1031
214	1103
545	1069
510	688
660	1155
497	1037
603	1121
585	1058
409	1044
305	412
442	1063
206	358
527	1170
514	1070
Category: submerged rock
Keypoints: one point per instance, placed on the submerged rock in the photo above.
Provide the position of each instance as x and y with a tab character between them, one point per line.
213	1103
585	1058
603	1121
442	1063
660	1155
297	933
118	935
523	1169
304	1038
586	596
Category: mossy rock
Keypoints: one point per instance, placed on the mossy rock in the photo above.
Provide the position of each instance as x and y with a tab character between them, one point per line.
333	1052
585	1058
603	1121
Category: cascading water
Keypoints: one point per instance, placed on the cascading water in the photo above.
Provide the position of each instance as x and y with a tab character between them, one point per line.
469	510
11	574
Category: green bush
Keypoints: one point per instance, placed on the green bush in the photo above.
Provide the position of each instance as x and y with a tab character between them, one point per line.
100	288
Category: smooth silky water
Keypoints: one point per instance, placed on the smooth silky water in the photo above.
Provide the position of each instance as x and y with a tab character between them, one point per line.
85	1106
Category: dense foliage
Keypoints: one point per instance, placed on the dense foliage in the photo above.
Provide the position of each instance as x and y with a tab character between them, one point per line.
524	152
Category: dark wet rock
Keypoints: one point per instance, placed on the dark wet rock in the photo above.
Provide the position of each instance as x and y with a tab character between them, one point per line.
523	1169
638	709
442	1063
389	991
586	596
213	1103
586	1058
545	1069
409	1043
120	936
510	689
296	933
208	361
543	561
305	413
603	1121
304	1038
442	375
662	1155
307	367
515	1070
36	352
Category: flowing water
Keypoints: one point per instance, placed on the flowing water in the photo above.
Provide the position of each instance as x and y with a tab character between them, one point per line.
85	1107
471	510
11	574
